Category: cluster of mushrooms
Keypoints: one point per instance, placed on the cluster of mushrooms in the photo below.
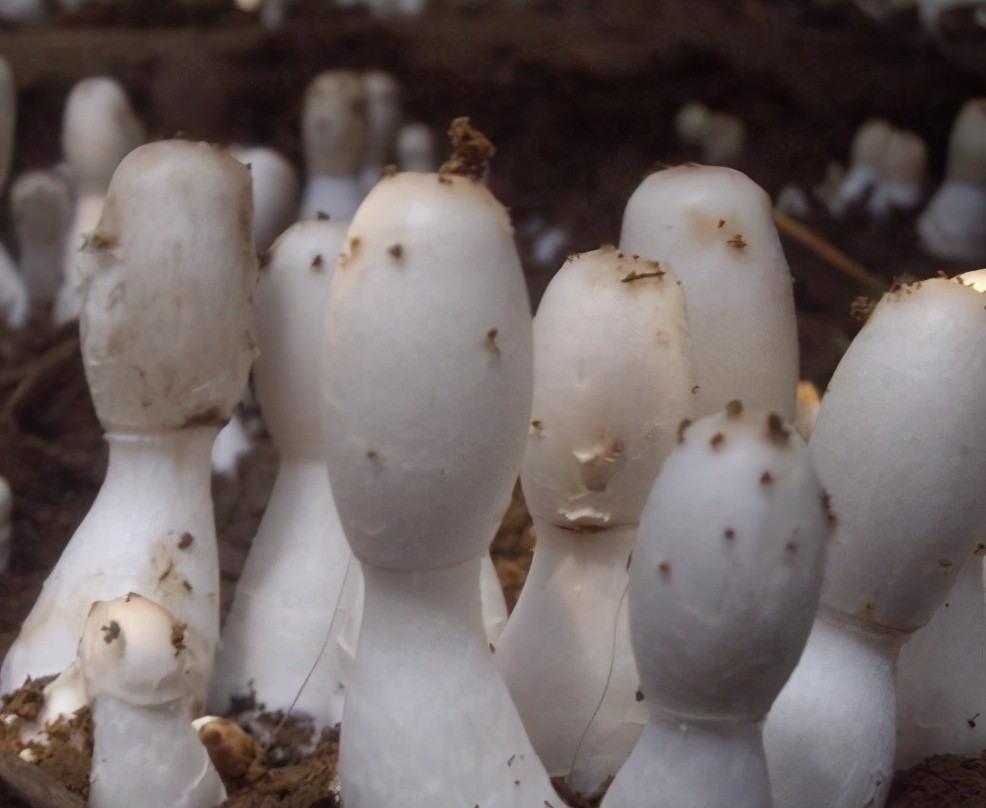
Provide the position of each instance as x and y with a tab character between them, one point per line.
716	608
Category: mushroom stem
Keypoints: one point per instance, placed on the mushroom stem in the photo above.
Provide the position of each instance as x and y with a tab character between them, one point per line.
381	705
156	494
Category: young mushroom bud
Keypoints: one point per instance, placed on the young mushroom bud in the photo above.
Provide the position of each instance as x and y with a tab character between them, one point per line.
900	444
719	136
724	585
143	670
290	635
333	134
900	185
953	226
612	382
427	395
275	192
712	227
99	129
866	152
167	343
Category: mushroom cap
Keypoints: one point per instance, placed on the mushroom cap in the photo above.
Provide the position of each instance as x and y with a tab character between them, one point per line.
427	382
333	123
383	115
727	569
967	144
904	159
713	228
416	148
900	444
612	381
870	142
167	324
290	302
135	651
275	192
99	129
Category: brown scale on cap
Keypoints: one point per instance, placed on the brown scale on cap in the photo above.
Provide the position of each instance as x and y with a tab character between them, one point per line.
734	408
318	264
766	478
396	251
682	427
185	541
830	516
178	637
777	433
110	632
633	275
716	440
861	308
471	151
737	241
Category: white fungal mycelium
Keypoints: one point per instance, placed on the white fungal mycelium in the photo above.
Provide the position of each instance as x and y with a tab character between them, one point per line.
712	227
900	444
99	128
724	584
290	635
612	383
144	670
333	134
427	397
167	343
953	226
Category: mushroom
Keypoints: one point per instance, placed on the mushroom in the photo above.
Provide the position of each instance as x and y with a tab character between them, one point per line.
713	228
333	134
719	136
953	226
290	635
724	585
99	128
383	122
143	670
41	202
167	345
427	395
900	444
612	381
416	148
275	192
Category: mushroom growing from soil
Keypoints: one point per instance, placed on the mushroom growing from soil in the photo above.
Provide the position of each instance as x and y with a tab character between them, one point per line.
900	443
612	382
723	589
713	228
167	343
333	134
99	129
953	226
144	670
290	636
427	396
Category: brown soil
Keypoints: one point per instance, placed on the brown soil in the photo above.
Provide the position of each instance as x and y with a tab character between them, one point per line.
578	98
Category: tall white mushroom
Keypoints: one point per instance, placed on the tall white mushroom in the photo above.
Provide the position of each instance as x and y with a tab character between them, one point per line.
723	589
99	129
383	122
333	135
290	634
901	446
427	395
41	203
167	342
275	192
144	669
612	381
713	228
953	226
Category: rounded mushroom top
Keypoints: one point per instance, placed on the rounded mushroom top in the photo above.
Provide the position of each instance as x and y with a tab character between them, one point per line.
427	383
870	143
904	158
713	228
900	444
8	119
333	123
416	148
135	651
967	144
612	381
99	129
383	115
167	323
726	572
275	192
290	302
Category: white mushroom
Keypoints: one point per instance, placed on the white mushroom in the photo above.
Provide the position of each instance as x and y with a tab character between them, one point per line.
144	670
383	122
41	202
275	192
719	136
416	148
612	382
724	584
427	395
167	344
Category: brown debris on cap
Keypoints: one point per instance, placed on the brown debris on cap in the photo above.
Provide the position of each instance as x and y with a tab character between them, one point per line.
471	151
